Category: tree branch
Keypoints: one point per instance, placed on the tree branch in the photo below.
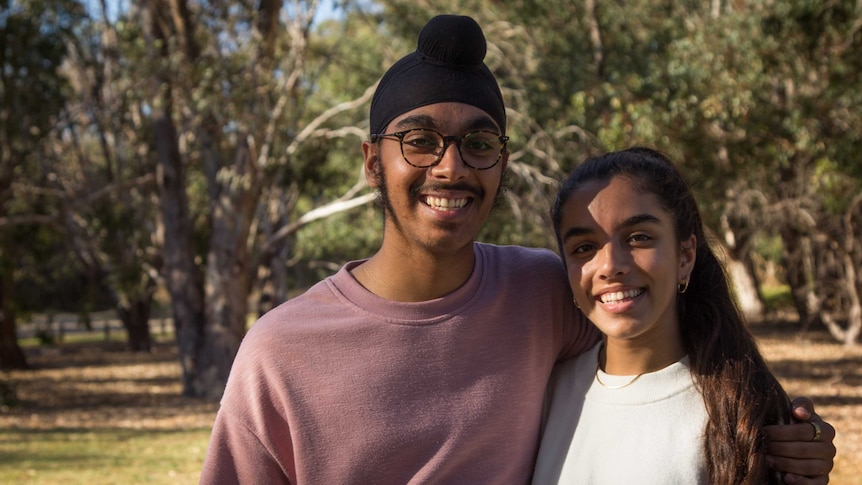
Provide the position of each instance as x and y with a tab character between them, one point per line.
315	214
29	219
311	127
107	191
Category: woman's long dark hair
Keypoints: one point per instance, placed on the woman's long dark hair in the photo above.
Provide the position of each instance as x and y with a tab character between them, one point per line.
740	393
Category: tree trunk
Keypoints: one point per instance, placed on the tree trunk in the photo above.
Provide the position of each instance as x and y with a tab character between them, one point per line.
734	250
851	278
236	191
848	334
271	280
745	289
11	355
798	271
182	276
136	320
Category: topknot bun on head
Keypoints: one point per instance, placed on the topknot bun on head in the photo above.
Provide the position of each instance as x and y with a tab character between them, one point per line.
447	66
453	39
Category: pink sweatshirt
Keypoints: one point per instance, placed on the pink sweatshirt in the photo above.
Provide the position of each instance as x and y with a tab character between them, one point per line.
339	386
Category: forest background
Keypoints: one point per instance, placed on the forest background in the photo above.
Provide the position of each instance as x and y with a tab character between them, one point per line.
200	159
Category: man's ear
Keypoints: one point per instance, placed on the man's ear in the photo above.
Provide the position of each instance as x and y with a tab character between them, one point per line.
504	160
371	159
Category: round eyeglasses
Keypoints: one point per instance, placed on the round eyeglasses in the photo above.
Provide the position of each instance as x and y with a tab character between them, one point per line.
424	147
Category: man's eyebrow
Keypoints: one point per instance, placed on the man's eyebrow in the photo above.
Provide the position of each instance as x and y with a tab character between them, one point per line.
631	221
416	121
482	123
426	121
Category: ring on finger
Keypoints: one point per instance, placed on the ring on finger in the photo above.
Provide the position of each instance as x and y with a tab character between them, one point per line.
816	430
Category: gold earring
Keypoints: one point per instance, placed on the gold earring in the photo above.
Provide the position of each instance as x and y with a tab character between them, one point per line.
680	288
576	303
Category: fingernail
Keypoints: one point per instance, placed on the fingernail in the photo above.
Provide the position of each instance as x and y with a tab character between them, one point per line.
790	478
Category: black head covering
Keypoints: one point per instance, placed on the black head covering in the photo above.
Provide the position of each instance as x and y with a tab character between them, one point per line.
448	65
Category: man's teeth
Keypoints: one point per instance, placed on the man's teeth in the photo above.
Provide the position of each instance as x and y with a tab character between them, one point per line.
445	204
618	296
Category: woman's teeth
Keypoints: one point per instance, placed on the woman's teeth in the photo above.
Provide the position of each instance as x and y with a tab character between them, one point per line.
618	296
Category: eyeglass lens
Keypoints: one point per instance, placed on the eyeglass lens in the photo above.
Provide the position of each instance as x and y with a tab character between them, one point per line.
423	148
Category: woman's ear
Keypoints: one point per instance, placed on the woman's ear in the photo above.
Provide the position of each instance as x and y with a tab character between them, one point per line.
687	254
371	159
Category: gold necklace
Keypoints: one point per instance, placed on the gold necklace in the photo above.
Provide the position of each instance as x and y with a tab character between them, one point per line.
599	380
616	387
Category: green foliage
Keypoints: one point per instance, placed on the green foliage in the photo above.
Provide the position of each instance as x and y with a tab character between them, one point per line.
835	187
342	237
757	101
776	297
32	48
343	65
33	41
49	277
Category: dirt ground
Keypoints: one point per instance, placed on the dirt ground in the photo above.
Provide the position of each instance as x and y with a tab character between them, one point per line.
102	386
814	365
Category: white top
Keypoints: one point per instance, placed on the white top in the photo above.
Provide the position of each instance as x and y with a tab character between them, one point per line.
649	432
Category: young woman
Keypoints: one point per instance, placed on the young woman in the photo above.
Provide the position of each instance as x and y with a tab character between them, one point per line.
677	392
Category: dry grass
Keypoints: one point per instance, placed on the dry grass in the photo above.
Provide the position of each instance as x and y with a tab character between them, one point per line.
93	413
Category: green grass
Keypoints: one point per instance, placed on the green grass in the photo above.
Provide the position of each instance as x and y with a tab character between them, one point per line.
73	338
93	336
112	456
777	296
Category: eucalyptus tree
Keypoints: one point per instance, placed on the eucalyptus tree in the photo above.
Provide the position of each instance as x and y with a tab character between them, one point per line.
756	100
243	144
104	165
32	48
771	96
814	183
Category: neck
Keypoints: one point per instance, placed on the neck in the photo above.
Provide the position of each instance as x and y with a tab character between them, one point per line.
626	357
415	276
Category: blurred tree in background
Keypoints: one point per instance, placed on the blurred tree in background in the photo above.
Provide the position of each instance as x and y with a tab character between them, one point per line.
33	39
212	148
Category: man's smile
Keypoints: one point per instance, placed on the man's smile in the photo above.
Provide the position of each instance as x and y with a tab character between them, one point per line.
444	204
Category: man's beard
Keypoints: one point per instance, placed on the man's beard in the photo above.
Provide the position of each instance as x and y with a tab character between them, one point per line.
382	198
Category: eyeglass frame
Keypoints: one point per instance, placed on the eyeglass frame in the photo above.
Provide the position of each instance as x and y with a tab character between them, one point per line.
447	140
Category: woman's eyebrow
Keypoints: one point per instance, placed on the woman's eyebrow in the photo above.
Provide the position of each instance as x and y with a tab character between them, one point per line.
575	232
629	222
640	219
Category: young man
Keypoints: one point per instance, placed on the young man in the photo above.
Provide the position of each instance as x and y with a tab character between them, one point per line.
427	362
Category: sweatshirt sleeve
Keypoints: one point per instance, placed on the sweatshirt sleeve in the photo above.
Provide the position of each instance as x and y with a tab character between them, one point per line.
573	333
236	456
579	333
251	440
